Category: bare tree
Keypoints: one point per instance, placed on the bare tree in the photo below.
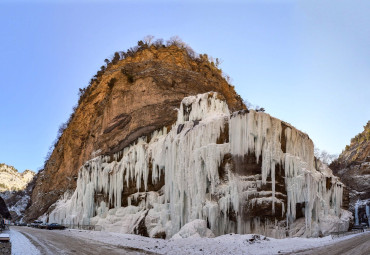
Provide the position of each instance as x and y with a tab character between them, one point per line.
148	39
324	156
218	62
176	40
248	104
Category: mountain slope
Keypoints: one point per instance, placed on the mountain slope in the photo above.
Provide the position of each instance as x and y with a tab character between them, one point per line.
12	180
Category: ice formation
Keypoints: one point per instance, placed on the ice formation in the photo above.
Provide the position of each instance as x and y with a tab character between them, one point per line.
357	222
190	157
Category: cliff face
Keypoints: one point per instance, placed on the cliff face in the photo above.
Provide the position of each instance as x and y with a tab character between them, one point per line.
132	98
353	167
241	172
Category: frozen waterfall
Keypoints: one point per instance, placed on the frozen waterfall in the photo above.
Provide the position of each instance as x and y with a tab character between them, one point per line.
196	158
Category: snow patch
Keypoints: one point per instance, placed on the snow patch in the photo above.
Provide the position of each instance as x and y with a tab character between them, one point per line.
193	229
21	245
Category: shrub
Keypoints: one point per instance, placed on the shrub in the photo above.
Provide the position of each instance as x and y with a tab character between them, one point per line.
128	74
111	82
116	58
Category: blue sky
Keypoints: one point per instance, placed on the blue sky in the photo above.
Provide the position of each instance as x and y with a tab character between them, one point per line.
305	62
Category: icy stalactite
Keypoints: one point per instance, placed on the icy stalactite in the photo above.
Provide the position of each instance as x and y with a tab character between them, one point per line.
357	220
190	156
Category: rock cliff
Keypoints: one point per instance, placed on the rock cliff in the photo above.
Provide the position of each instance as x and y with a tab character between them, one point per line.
128	99
353	167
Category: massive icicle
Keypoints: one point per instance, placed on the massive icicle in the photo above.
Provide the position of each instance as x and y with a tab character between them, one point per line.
200	183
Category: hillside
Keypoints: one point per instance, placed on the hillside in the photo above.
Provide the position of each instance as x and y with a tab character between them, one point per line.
353	167
132	96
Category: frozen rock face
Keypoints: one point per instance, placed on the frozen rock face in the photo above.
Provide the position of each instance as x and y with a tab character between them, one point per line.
16	189
147	89
12	180
242	172
353	167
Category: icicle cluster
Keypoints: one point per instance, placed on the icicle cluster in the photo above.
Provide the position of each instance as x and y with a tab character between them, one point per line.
190	156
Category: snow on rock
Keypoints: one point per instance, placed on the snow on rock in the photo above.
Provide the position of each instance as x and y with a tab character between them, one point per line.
195	228
11	179
245	172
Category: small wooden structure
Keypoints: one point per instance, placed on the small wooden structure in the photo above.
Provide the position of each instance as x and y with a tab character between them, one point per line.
4	237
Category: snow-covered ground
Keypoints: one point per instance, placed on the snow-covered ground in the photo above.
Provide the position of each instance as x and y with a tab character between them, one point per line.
226	244
21	245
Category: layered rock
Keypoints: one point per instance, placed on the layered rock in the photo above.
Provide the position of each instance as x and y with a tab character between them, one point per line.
132	98
241	172
353	167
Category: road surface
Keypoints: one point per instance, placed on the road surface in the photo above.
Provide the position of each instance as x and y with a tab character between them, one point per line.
57	242
358	245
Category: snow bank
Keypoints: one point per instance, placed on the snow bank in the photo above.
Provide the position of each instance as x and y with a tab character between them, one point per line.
21	245
225	244
193	229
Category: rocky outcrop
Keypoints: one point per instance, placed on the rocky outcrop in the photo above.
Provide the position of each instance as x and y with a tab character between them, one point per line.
132	98
353	167
12	180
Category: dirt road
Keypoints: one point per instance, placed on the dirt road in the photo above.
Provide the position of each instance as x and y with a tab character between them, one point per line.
56	242
359	245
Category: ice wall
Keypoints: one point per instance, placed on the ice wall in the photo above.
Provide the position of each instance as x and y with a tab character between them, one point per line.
357	222
190	157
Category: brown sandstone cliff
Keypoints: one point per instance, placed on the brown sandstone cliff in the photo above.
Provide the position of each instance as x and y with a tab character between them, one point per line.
353	166
131	98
